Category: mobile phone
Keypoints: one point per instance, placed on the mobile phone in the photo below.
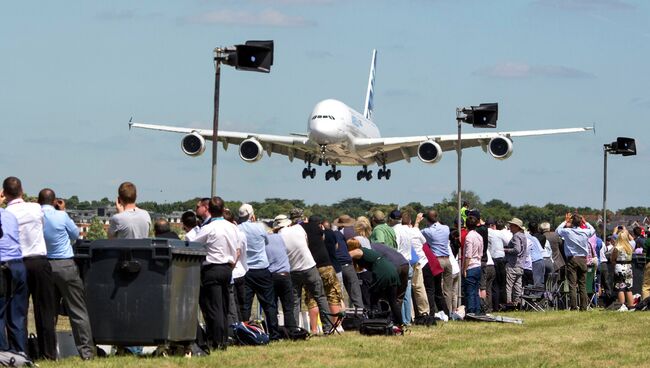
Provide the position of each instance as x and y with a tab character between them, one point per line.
620	227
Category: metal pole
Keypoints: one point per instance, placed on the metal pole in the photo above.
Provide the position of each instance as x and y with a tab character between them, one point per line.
459	152
604	192
215	124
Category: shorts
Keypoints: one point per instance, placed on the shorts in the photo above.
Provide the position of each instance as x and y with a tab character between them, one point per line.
330	284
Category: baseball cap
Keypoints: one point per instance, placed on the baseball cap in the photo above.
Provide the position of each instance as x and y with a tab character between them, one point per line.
395	215
245	210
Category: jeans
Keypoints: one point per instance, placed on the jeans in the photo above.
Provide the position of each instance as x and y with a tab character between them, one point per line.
13	308
472	281
406	304
284	292
352	285
539	268
260	283
311	280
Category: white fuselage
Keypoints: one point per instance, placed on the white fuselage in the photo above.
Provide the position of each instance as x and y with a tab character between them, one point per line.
335	125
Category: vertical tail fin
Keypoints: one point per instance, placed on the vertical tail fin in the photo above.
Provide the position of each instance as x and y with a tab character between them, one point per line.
368	107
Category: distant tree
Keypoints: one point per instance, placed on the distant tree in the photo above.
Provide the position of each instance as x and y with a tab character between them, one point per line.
96	230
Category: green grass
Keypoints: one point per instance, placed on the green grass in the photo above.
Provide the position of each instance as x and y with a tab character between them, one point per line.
577	339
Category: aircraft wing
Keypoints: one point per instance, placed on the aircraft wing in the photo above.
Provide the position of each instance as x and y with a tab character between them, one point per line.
404	148
293	146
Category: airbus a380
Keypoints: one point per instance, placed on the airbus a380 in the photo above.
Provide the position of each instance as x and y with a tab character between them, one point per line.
339	135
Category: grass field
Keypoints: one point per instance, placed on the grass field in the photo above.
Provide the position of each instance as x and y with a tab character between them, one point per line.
576	339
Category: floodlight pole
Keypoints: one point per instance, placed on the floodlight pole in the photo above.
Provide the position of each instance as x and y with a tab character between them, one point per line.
218	58
459	153
606	148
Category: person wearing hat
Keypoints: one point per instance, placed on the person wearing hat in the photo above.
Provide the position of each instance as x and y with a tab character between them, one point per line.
279	267
303	270
516	253
258	279
382	233
296	215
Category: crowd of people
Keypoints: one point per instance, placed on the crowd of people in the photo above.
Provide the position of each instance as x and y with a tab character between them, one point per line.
414	265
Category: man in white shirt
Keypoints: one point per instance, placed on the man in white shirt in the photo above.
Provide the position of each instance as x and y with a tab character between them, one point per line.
40	282
402	236
497	239
221	240
417	282
303	268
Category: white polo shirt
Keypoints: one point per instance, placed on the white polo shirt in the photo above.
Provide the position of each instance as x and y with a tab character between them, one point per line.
221	240
295	240
30	227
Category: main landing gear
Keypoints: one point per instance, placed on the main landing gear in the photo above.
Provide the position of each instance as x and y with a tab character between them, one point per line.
383	172
365	173
336	174
308	171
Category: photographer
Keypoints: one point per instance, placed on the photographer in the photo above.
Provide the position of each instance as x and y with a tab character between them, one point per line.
576	233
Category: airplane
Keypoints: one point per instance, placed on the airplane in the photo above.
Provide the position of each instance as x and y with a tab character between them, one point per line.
339	135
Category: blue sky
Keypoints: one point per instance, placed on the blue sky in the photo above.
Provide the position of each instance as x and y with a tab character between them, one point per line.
73	73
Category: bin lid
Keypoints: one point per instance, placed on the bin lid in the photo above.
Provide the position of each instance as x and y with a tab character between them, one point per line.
175	246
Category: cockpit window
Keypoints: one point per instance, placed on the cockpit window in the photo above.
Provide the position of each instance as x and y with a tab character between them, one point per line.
322	117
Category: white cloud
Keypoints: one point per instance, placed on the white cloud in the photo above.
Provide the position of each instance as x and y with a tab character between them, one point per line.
516	70
266	18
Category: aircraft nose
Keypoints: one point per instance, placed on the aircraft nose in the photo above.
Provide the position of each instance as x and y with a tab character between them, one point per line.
325	131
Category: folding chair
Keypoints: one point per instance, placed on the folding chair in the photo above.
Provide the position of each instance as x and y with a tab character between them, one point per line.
335	320
534	299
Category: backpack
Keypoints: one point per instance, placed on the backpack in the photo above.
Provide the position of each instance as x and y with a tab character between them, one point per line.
248	333
353	319
10	358
294	333
379	326
643	305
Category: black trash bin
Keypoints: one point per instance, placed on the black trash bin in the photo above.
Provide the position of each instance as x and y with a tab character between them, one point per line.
141	291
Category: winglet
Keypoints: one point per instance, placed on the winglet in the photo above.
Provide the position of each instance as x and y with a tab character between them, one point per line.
130	122
593	127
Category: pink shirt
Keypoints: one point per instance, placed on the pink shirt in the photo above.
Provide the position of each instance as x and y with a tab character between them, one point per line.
473	249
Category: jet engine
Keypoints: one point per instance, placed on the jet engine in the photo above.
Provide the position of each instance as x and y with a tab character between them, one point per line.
251	150
500	147
429	152
193	144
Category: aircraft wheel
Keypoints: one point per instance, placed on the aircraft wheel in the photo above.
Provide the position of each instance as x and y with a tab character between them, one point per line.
305	173
328	175
312	174
360	175
337	175
369	175
387	174
380	174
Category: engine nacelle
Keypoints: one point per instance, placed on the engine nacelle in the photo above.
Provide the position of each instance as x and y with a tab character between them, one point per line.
193	144
500	147
429	152
251	150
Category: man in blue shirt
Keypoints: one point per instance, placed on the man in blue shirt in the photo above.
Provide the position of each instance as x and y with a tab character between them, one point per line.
576	233
13	303
437	236
59	231
258	278
280	272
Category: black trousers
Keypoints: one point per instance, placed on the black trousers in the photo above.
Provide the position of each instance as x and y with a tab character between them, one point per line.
239	290
215	279
284	292
390	295
260	283
366	280
499	285
40	284
433	287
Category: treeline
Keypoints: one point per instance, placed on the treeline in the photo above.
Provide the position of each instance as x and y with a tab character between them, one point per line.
447	208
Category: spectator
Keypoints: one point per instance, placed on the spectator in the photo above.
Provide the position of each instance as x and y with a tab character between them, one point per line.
382	233
202	213
190	225
576	233
536	254
58	232
603	271
13	305
437	236
303	269
463	212
130	222
404	247
472	265
363	229
316	242
397	260
621	258
557	250
221	239
279	267
417	282
350	280
161	229
385	279
258	278
516	253
40	283
497	240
